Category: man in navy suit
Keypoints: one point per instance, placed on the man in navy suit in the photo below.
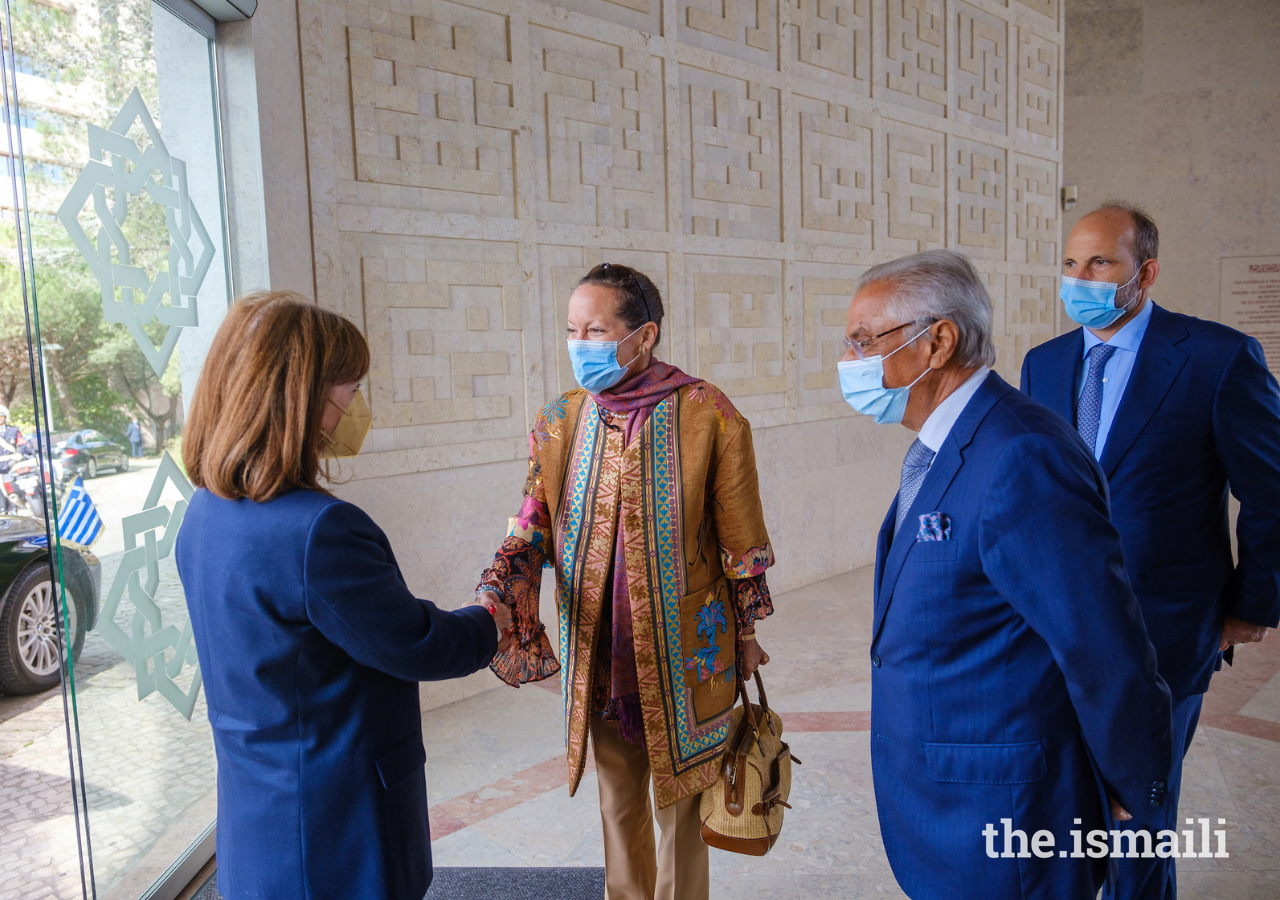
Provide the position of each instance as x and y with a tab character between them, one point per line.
1015	702
1177	411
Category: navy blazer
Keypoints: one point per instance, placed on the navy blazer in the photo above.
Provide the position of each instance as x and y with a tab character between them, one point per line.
1012	675
1200	413
311	647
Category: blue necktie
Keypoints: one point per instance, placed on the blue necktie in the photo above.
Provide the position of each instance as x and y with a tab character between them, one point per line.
914	468
1089	412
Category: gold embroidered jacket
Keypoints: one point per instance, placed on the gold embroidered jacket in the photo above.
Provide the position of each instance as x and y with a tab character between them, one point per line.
686	496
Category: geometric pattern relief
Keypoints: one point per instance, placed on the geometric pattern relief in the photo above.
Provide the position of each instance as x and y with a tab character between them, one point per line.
733	159
982	74
598	133
1045	7
444	335
742	28
978	177
824	316
432	105
831	37
915	63
835	171
738	327
1030	304
911	181
1033	188
1037	88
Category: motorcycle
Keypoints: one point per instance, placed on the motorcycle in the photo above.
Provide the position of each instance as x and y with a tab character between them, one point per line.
22	482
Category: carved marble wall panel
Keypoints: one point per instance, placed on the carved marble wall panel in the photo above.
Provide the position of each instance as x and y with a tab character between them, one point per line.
829	41
976	221
1038	88
1047	8
444	321
746	29
1033	200
597	133
472	159
824	305
915	55
738	330
639	15
911	172
431	100
731	156
982	68
837	203
1031	302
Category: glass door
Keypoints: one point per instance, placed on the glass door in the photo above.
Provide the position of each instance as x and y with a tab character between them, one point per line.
113	282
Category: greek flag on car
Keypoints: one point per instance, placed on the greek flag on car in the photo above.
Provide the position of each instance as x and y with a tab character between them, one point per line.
78	519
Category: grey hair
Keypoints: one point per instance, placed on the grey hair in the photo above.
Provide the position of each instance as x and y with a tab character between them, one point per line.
941	284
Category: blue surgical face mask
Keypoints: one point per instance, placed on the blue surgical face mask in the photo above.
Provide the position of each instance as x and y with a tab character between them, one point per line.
595	363
862	383
1093	303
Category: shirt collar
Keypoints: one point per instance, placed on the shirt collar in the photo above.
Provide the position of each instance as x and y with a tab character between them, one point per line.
1127	338
940	422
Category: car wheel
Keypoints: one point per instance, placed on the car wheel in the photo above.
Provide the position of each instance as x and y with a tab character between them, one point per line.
92	469
30	658
124	464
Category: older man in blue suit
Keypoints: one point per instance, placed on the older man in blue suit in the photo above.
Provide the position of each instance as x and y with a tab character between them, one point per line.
1015	700
1177	411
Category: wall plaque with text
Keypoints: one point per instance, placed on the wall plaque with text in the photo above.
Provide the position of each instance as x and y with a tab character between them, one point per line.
1250	300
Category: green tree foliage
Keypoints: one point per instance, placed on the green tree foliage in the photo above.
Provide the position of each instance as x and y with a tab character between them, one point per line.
95	375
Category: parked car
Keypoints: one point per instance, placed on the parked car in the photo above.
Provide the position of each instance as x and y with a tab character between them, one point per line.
87	452
29	612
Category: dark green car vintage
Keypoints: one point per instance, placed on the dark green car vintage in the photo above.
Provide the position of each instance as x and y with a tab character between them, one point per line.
29	657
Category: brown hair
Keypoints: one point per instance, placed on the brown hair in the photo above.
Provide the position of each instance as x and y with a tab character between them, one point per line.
254	428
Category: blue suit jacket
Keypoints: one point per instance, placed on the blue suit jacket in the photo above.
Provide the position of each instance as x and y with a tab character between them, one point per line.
310	646
1200	413
1012	676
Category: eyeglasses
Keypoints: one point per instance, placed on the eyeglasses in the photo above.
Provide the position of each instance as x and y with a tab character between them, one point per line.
604	269
859	347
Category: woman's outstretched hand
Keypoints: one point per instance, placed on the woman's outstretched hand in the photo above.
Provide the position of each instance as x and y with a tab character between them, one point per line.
501	618
753	656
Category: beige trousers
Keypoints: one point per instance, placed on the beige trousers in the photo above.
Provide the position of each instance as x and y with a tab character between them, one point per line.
632	871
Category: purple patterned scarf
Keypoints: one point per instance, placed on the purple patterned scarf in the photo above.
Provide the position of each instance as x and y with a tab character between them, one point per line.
635	398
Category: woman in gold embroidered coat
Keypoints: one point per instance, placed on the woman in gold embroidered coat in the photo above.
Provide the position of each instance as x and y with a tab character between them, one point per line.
642	495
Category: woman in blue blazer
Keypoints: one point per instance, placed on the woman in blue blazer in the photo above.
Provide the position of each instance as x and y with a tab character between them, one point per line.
311	644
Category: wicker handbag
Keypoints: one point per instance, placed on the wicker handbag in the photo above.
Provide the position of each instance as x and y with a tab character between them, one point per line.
742	811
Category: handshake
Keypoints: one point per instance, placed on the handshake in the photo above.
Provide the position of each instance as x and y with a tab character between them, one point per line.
501	618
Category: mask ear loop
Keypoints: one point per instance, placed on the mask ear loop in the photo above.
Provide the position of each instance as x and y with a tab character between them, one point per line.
1129	305
628	337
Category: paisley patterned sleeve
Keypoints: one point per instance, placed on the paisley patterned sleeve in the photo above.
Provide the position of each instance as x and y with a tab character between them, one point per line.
516	577
751	599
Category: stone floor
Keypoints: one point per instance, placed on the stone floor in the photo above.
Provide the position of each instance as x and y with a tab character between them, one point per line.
498	787
497	782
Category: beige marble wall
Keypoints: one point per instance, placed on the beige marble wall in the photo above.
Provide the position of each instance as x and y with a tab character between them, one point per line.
468	161
1173	105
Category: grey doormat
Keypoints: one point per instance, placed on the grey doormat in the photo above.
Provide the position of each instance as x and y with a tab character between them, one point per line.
458	883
